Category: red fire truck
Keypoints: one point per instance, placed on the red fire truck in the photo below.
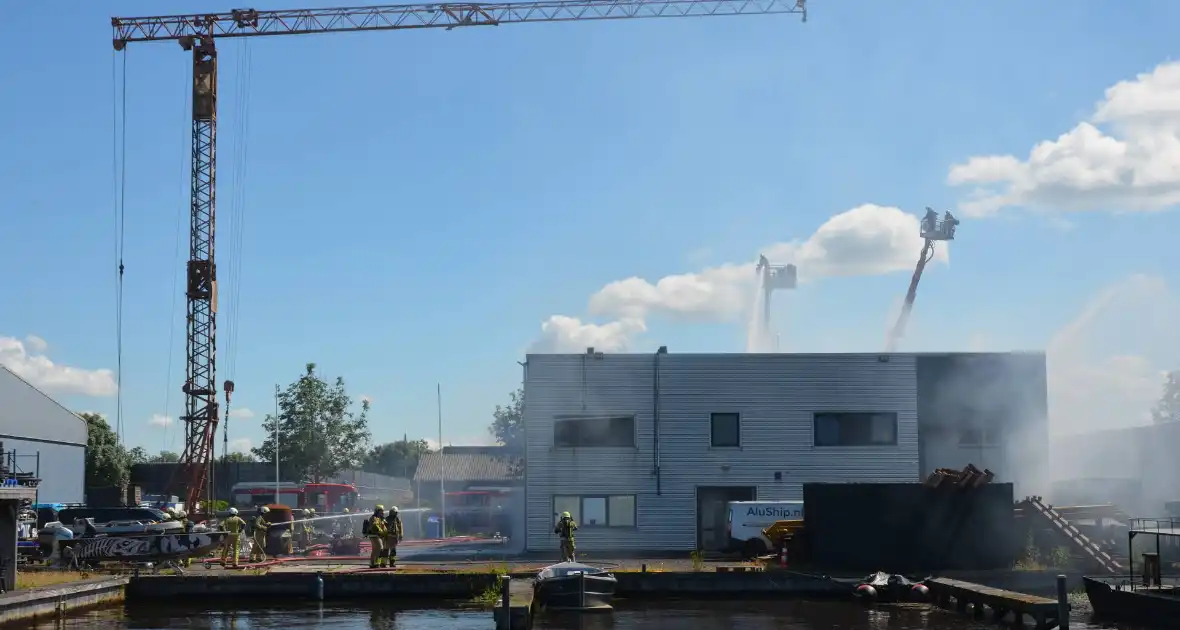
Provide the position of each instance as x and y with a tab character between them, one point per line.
322	497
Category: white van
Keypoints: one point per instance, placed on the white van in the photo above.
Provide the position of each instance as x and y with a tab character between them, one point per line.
747	519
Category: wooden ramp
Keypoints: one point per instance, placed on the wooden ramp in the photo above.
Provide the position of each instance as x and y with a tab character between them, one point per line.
517	612
967	596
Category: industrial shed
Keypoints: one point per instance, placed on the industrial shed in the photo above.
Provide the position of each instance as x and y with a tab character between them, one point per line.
41	436
645	450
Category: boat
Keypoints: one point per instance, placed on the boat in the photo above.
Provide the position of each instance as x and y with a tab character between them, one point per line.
144	548
574	586
1146	599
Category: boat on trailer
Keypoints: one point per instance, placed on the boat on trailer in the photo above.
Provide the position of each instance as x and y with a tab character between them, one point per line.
165	549
1149	598
574	586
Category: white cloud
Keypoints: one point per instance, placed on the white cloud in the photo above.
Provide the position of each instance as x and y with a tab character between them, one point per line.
35	344
1106	365
1125	157
242	413
562	334
27	360
866	240
160	420
240	445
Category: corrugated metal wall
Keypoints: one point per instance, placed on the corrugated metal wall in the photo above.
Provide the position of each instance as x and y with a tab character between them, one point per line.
1004	393
776	396
27	413
63	468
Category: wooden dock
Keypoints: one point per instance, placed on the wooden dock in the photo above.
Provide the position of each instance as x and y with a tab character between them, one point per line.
978	599
515	612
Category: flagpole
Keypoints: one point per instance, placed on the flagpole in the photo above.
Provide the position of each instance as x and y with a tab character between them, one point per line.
442	484
276	444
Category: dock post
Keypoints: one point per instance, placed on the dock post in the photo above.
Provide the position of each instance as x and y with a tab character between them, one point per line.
582	589
506	594
1062	604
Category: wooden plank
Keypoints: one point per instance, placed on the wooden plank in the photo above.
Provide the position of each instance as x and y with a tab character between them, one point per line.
991	596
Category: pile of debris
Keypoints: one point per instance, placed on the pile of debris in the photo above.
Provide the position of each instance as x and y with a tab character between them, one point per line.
969	477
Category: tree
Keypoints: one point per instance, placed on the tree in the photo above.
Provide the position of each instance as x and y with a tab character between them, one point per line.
107	463
1167	409
238	457
508	422
137	455
318	434
396	459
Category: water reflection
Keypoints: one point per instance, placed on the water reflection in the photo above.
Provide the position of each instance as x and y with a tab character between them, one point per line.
366	615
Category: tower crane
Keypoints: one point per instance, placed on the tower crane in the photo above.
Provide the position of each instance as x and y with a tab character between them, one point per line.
199	33
933	230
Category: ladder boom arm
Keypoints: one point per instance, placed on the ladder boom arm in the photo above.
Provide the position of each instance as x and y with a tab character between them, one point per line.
252	22
903	317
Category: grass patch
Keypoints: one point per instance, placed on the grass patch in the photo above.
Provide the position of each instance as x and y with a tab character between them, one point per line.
41	579
492	595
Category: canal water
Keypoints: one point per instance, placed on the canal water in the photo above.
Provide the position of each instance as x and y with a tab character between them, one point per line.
673	615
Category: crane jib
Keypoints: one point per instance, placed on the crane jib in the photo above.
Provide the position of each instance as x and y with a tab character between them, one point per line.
252	22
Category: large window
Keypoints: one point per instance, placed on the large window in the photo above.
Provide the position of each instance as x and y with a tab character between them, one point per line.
725	430
597	510
597	431
855	429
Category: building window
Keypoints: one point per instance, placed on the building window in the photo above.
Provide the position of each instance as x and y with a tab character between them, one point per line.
855	429
599	431
597	511
726	429
979	437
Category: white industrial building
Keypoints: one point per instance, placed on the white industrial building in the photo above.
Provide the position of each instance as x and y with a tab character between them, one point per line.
40	436
646	449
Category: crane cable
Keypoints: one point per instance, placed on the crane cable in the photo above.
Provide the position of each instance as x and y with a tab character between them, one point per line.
119	176
181	205
237	220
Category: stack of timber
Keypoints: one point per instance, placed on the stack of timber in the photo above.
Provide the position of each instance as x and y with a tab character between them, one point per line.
1094	556
969	477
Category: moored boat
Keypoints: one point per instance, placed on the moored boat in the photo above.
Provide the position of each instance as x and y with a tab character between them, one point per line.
1148	598
574	586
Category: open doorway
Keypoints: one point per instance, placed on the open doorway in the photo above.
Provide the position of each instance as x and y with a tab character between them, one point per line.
712	533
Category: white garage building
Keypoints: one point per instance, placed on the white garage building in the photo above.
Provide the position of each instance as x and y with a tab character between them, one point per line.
40	436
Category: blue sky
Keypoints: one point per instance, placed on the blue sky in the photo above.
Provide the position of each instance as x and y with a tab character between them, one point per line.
412	206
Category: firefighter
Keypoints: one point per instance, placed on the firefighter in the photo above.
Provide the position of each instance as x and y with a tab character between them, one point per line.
234	525
393	534
305	530
565	529
187	524
374	528
258	527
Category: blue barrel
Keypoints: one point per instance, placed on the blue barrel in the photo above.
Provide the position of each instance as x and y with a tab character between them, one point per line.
434	527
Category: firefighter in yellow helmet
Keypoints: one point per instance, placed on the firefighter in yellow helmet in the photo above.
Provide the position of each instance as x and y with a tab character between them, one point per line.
565	529
187	524
234	525
374	527
393	534
258	527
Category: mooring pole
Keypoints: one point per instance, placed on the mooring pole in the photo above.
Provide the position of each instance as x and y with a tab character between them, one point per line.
506	595
1062	604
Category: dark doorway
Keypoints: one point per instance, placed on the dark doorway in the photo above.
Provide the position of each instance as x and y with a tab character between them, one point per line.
712	516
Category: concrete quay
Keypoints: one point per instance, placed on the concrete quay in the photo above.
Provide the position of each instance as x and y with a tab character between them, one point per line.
30	605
